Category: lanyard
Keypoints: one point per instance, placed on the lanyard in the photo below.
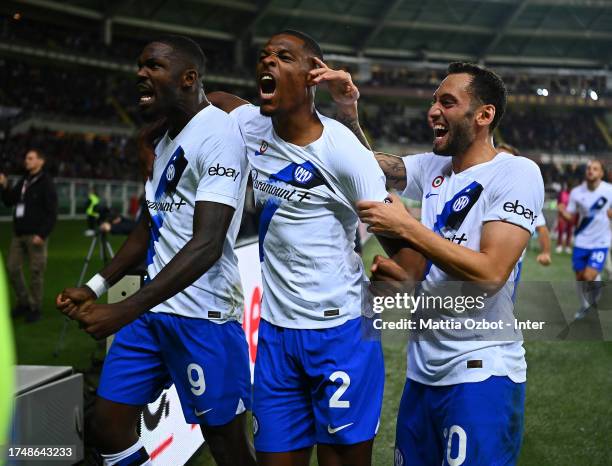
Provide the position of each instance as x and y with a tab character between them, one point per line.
26	184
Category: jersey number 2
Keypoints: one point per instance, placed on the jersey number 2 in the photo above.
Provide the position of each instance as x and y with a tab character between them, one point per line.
335	401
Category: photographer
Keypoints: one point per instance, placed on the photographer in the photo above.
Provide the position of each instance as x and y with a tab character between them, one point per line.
114	223
34	217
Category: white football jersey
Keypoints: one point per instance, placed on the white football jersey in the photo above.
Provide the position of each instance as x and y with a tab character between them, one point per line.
455	206
305	197
204	162
593	230
540	220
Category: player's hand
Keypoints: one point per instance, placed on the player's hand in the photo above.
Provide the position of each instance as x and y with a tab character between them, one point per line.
3	180
103	320
70	299
544	259
388	277
338	82
38	240
388	218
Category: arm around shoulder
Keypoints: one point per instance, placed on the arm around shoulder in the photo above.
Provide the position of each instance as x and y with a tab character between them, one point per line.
225	101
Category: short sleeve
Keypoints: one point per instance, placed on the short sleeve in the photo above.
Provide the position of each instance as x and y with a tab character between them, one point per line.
518	195
244	114
414	169
221	163
571	203
540	220
360	177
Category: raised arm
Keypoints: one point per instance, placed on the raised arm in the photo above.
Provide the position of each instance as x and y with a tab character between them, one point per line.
345	95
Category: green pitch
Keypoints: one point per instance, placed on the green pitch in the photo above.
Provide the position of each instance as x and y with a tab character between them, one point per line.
569	388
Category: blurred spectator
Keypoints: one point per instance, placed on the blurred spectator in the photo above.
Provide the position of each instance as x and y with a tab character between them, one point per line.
34	217
564	227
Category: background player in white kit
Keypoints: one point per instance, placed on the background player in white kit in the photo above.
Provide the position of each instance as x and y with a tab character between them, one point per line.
463	402
183	326
591	203
318	380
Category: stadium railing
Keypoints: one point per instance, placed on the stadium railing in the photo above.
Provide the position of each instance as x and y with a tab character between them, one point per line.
72	196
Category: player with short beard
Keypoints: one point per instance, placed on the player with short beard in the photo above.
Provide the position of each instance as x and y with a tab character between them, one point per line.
463	401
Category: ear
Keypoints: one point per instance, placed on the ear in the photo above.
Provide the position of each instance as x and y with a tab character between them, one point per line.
190	78
485	115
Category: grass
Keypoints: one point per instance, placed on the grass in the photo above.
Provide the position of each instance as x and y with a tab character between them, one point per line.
569	390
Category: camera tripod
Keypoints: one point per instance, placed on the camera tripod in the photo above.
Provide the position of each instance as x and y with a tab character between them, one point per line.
106	253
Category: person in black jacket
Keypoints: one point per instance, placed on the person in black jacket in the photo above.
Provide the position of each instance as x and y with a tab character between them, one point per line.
34	216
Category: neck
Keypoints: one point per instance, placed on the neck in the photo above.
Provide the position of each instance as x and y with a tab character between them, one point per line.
183	113
593	185
300	127
480	151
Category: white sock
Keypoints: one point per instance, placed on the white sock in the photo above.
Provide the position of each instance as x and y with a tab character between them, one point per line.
136	456
584	303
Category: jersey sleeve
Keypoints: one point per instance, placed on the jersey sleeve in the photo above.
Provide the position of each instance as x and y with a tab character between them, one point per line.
243	114
221	163
360	177
518	195
571	203
414	169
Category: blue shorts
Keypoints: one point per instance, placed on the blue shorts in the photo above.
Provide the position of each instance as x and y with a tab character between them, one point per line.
316	386
473	424
207	362
593	258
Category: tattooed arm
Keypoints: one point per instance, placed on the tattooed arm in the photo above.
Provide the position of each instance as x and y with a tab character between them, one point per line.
345	95
394	169
349	117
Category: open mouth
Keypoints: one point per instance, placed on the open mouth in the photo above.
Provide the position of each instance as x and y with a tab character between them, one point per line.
267	86
146	95
440	131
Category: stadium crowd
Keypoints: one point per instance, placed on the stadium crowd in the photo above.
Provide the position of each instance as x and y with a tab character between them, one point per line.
74	155
530	129
68	93
518	83
87	42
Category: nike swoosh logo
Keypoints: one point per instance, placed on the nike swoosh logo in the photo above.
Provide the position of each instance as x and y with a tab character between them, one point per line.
337	429
428	195
200	413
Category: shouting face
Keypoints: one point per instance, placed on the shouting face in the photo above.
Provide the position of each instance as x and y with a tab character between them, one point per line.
158	80
282	71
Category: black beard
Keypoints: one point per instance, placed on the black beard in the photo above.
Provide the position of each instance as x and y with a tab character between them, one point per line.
461	137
